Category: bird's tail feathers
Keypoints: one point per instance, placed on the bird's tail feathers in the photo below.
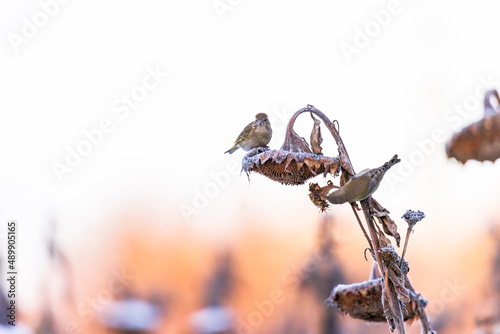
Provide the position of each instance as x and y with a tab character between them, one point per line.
385	167
232	149
394	160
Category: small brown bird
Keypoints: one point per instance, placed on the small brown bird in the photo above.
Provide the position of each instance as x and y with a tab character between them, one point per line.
256	134
361	185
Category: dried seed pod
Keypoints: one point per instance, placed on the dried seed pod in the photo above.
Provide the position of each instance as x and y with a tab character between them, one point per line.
481	140
363	301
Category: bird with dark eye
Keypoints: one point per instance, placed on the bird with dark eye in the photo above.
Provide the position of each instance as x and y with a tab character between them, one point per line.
256	134
361	185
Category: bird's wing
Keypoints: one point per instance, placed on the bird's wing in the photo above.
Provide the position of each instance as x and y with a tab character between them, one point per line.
360	173
245	134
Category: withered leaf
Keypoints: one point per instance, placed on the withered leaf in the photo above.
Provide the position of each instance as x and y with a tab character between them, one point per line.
383	240
316	138
318	194
295	143
388	225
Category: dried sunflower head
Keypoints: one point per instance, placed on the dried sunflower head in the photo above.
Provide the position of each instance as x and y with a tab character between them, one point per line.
289	168
318	194
363	301
481	140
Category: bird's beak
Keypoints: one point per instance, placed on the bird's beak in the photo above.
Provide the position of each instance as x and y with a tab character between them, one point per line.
259	122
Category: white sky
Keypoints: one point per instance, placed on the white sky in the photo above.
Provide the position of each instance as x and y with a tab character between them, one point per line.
274	57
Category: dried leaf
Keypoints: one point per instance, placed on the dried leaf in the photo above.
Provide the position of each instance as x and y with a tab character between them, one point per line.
316	138
295	143
383	240
318	194
388	225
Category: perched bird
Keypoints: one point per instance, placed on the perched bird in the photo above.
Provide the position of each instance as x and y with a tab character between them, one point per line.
361	185
256	134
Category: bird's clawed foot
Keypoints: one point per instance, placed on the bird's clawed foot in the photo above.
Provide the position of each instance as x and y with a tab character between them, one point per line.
355	205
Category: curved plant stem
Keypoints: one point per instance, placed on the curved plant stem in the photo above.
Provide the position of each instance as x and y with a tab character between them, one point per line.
424	321
345	160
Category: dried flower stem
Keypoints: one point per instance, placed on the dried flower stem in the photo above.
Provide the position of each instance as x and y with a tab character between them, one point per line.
362	227
412	218
408	233
346	163
395	318
421	302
